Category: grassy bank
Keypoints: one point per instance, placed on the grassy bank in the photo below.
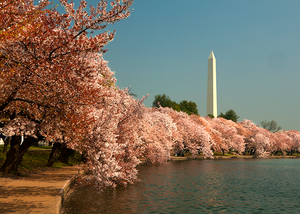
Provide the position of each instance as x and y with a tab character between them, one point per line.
35	159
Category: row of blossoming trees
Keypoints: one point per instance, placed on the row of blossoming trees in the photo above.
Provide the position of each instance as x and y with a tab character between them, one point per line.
55	86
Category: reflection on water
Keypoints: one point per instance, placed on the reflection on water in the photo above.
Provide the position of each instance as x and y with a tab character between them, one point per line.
197	186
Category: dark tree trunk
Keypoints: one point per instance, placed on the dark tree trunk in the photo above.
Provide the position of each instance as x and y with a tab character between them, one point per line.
15	155
6	143
36	144
56	149
83	157
65	154
223	152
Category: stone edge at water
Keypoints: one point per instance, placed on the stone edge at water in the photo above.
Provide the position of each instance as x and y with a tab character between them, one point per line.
64	191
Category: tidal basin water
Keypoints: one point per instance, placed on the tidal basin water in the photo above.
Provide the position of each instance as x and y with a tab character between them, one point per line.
200	186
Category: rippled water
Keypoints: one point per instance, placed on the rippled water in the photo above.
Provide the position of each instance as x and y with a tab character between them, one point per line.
200	186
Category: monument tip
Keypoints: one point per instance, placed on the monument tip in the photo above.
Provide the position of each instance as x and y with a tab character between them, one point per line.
211	56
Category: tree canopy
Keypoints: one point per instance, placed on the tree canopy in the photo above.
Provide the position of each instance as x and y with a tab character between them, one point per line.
188	107
270	125
163	100
211	116
230	115
55	84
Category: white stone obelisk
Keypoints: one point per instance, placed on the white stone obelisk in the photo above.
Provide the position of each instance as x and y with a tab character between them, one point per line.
211	105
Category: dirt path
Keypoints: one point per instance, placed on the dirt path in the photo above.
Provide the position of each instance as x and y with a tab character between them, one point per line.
37	193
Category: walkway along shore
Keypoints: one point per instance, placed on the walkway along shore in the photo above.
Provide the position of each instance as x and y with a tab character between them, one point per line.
37	193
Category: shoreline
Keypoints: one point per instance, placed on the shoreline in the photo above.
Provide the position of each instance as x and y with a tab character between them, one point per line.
174	158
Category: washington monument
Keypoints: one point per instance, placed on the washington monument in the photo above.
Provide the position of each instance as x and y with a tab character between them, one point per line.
211	105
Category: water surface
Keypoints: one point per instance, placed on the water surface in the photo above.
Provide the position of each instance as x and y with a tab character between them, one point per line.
200	186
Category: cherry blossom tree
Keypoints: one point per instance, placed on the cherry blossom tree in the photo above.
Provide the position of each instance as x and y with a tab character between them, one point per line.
112	145
50	76
190	135
157	131
228	137
250	138
295	135
262	143
17	16
259	140
283	141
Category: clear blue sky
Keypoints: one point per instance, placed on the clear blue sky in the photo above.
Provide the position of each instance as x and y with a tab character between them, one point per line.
163	47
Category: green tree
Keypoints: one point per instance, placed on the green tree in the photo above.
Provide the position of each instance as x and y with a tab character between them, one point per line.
188	107
230	115
272	126
211	116
163	100
185	106
175	106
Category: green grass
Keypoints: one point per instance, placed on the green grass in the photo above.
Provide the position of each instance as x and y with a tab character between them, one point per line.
221	154
35	160
31	147
40	147
228	154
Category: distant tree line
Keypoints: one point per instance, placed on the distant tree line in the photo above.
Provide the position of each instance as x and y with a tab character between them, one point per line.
191	108
272	125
